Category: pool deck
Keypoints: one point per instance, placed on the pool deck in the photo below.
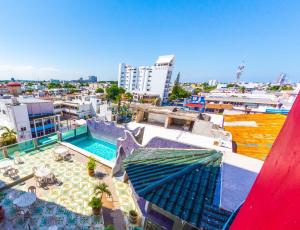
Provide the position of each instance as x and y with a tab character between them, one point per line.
67	204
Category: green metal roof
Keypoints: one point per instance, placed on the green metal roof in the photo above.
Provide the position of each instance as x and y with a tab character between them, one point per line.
181	182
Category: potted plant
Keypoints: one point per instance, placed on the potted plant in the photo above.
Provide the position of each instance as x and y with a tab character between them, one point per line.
109	227
133	216
96	205
100	189
91	165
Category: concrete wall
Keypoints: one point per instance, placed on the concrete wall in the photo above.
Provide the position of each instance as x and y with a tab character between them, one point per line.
21	121
202	127
156	118
38	108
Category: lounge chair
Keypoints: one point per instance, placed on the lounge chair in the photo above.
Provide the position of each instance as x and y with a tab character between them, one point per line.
17	158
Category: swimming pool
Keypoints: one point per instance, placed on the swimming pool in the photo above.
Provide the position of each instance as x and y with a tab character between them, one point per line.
95	146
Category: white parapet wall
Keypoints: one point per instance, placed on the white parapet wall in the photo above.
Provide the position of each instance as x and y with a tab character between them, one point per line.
108	163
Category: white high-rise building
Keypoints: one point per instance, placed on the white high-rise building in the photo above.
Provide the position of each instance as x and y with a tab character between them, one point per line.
151	80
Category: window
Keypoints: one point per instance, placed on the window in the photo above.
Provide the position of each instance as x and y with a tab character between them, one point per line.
23	128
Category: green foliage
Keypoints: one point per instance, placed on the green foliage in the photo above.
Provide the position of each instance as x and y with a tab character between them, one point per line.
231	85
132	213
73	90
53	85
84	84
100	189
287	87
273	88
242	89
109	227
197	90
207	88
114	92
99	90
178	93
91	163
69	86
8	136
95	202
127	97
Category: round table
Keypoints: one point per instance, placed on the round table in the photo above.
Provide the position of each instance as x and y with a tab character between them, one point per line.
42	172
5	164
62	151
25	200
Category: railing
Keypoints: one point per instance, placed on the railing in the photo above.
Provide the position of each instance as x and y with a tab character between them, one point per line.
47	139
22	147
32	144
81	130
68	134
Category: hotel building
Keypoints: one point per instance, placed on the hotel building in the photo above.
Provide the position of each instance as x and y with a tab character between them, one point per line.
148	80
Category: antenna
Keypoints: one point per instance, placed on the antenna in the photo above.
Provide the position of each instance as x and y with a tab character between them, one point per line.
239	71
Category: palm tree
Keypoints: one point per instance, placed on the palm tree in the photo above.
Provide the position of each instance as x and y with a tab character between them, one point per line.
102	188
9	135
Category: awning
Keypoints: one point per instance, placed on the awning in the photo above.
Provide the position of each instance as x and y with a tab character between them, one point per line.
194	105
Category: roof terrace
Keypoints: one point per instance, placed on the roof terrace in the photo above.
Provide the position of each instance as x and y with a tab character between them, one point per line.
61	203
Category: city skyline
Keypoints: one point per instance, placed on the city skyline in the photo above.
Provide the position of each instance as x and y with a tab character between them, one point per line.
67	40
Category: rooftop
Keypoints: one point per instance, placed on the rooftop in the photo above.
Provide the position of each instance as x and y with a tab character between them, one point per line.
64	204
151	131
243	100
254	134
24	100
166	110
181	182
165	59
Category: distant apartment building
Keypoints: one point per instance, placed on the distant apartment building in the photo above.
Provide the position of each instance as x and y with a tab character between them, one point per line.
152	80
29	117
212	82
92	79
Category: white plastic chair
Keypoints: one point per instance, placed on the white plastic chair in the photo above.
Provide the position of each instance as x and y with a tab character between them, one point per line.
17	158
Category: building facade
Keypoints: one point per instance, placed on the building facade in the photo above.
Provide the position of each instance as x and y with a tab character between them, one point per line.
152	80
29	117
92	79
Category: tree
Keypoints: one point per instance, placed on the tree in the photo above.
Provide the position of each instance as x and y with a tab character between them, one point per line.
8	136
69	86
273	88
178	93
207	88
114	93
127	97
53	85
287	87
100	189
242	89
99	90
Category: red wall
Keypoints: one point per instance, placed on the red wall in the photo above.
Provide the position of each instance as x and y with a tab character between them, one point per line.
274	200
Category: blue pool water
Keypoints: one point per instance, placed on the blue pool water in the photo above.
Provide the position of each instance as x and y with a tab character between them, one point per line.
98	147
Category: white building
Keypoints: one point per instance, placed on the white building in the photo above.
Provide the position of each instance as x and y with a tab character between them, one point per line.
154	79
82	107
212	82
29	117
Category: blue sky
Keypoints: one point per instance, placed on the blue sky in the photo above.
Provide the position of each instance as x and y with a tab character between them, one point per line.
69	39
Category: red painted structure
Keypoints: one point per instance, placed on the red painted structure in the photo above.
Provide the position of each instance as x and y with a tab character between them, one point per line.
274	200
